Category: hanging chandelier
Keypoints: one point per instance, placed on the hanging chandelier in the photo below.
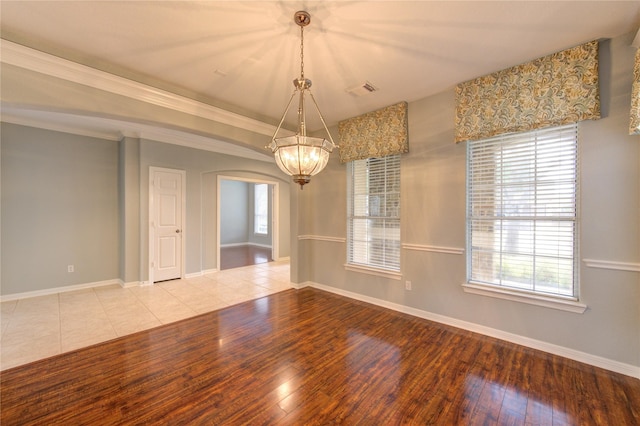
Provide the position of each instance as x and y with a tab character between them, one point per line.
301	156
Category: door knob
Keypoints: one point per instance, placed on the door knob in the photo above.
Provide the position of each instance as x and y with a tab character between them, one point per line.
177	231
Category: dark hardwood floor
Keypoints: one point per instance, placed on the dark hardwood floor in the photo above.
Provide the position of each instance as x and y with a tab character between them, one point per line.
304	357
245	255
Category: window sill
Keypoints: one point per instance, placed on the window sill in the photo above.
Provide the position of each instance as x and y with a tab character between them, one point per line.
567	305
374	271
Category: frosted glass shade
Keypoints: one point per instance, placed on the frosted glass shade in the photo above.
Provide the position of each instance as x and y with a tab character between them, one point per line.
301	156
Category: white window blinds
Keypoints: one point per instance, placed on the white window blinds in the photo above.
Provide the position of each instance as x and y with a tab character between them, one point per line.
373	216
522	210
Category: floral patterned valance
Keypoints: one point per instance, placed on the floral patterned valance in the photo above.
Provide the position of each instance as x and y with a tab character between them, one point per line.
634	125
557	89
375	134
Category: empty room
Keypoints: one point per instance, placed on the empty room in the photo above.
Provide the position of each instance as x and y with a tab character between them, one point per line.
320	212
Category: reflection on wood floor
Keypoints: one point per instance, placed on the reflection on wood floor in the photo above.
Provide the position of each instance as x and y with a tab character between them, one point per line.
244	255
310	357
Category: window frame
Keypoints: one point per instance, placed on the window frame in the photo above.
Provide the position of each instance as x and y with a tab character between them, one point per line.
390	264
565	302
257	215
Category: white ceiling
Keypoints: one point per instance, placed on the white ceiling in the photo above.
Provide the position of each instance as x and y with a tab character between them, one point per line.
247	53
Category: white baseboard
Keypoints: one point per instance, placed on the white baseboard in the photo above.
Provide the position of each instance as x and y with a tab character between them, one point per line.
267	246
298	286
201	273
48	291
245	244
130	284
213	271
607	364
233	245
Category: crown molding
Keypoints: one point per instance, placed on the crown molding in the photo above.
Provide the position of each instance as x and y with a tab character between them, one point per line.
90	127
191	140
44	63
8	117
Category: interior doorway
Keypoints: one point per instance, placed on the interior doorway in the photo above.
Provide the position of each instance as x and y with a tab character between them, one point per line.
247	217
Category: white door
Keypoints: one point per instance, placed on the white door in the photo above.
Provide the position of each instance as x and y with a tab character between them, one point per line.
166	223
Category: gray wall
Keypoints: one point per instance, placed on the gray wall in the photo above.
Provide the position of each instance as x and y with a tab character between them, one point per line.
234	212
59	208
433	213
75	200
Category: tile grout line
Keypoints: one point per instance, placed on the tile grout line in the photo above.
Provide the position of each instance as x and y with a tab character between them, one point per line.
104	309
59	325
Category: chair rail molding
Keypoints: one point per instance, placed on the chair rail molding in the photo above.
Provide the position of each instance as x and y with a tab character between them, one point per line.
322	238
433	249
608	264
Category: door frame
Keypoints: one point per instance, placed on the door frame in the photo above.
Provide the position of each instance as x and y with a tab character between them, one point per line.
183	173
275	213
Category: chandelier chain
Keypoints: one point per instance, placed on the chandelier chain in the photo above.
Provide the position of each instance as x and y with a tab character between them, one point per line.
302	53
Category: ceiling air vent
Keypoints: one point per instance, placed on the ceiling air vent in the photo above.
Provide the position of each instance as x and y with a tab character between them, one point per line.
362	89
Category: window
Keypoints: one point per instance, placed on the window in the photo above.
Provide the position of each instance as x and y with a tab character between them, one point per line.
373	213
261	208
522	210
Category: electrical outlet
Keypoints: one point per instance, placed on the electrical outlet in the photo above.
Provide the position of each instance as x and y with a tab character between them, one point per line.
407	285
70	268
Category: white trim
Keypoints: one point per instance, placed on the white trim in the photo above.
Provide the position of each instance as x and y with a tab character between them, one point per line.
115	130
298	286
130	284
567	305
608	264
259	245
233	245
33	60
55	290
191	140
322	238
245	244
57	127
373	271
434	249
214	271
608	364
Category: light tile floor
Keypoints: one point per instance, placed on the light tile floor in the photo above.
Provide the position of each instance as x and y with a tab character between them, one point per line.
40	327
